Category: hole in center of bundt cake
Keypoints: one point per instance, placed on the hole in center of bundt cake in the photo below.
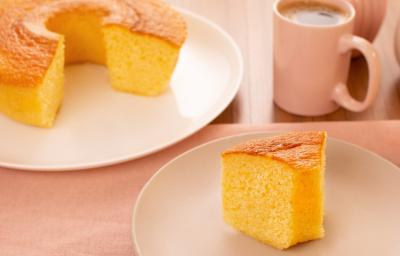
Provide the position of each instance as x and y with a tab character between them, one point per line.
83	36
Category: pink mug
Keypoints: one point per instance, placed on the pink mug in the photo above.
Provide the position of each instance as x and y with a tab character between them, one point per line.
311	63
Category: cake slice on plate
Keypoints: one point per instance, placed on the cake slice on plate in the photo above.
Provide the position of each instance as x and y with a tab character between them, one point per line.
273	188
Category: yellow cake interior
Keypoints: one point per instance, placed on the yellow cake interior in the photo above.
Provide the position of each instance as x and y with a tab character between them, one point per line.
132	58
271	200
83	36
137	63
36	105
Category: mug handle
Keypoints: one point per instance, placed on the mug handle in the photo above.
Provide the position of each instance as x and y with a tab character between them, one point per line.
341	93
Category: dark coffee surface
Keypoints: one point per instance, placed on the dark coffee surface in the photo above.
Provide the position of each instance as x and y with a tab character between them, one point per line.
313	13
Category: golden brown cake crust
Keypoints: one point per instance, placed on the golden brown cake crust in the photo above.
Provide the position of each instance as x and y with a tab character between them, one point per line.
27	47
24	56
298	149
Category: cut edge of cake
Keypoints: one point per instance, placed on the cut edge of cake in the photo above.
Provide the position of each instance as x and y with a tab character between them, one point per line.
37	105
297	203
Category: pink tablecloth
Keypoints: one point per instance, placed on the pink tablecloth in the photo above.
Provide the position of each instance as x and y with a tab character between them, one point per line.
89	212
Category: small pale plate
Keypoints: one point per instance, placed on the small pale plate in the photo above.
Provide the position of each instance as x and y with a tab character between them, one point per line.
98	126
178	213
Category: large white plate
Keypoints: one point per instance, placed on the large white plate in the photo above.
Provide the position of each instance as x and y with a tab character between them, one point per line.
98	126
178	213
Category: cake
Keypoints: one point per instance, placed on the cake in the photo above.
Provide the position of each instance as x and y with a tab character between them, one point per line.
273	188
138	40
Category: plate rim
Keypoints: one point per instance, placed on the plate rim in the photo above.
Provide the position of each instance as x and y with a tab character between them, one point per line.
244	134
209	117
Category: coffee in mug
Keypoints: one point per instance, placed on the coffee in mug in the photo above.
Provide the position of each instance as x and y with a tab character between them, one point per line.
313	42
313	13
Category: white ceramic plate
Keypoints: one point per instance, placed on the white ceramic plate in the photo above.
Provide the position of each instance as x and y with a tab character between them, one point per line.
178	213
98	126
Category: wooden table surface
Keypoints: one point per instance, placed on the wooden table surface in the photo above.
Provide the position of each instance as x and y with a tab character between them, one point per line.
250	23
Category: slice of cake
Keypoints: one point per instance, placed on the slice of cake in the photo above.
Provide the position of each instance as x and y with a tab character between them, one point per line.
273	188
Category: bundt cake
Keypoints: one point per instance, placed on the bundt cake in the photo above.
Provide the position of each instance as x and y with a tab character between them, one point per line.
138	40
273	188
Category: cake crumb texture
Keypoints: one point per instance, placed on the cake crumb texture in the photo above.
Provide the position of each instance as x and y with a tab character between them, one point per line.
271	193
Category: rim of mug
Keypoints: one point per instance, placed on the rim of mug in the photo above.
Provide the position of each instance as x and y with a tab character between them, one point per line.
350	9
